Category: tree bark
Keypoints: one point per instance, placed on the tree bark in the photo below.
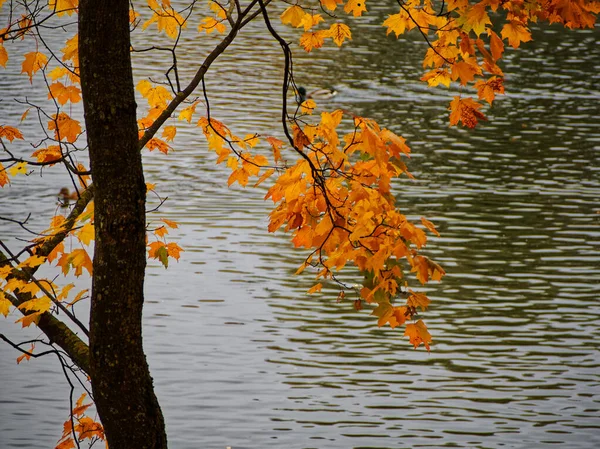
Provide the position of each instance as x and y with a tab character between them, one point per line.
121	382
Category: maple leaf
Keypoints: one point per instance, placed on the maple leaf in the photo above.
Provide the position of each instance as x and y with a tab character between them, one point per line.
429	225
67	443
32	262
186	113
170	223
80	407
276	145
50	154
398	23
437	76
157	96
466	111
86	234
161	145
5	304
71	51
64	94
464	70
87	428
26	355
315	288
62	7
516	33
264	176
80	259
3	55
210	24
356	7
169	133
476	19
313	39
487	90
10	133
161	231
496	45
339	32
33	62
310	20
166	19
294	15
331	5
64	127
29	319
19	168
417	334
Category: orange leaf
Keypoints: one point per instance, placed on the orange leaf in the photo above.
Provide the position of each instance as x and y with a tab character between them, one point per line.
33	62
466	111
315	288
314	39
418	333
64	127
516	33
10	133
429	225
170	223
340	32
293	15
356	7
64	94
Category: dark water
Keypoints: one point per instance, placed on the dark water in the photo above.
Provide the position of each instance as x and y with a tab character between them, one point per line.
242	357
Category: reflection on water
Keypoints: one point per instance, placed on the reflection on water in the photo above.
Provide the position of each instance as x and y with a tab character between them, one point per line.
242	357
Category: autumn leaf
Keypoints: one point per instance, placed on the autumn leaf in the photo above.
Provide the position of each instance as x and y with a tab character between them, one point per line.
276	145
64	94
487	90
10	133
157	96
516	33
210	24
48	155
496	45
311	20
167	20
169	133
418	334
80	407
331	5
86	234
3	176
293	15
64	127
33	62
466	111
161	231
26	355
5	304
63	7
313	39
170	223
398	23
476	19
158	144
436	77
3	55
429	225
356	7
20	168
465	71
339	32
315	288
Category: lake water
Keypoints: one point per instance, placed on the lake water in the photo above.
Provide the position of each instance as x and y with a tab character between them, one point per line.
242	357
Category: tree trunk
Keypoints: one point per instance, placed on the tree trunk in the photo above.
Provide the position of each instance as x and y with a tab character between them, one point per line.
121	382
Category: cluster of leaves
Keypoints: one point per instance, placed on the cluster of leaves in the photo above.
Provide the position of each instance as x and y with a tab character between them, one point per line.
80	427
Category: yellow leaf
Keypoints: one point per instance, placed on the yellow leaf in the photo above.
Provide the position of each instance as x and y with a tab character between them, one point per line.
331	5
32	262
356	7
398	23
157	96
339	32
80	259
167	20
293	15
86	233
63	7
50	154
186	113
64	293
18	168
276	145
29	319
77	298
310	20
5	304
173	249
169	133
33	62
308	106
264	176
211	24
313	39
516	33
